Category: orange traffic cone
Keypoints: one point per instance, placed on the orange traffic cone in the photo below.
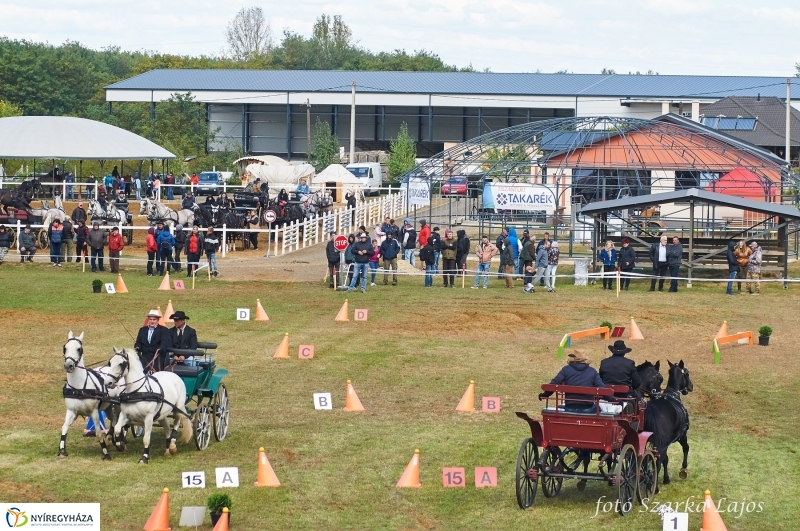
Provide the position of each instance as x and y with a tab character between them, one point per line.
165	283
159	519
222	523
266	476
723	330
344	313
121	287
635	332
169	311
160	317
261	315
712	521
351	401
467	403
283	348
410	478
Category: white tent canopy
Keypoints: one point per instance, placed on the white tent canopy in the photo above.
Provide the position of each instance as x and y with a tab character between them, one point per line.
63	137
336	173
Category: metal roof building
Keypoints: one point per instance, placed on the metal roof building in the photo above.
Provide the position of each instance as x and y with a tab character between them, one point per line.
265	111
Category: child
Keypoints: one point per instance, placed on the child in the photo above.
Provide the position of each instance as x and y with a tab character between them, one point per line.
374	260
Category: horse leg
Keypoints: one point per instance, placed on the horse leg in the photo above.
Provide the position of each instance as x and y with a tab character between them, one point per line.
119	435
684	442
171	436
148	429
665	459
68	420
100	435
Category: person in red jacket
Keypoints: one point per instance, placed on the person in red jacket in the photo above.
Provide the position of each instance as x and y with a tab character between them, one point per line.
424	233
194	248
152	249
115	246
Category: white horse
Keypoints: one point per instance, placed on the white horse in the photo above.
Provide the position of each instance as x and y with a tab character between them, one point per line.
159	211
148	398
85	393
110	214
319	202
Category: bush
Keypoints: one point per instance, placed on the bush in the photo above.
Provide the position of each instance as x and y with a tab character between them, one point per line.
216	502
96	283
765	331
608	324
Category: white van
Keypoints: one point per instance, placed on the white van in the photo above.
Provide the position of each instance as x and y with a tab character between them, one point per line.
369	173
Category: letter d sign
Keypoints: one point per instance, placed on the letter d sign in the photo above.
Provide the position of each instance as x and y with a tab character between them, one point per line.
242	314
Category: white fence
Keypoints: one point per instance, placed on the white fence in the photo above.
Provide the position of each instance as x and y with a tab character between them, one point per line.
297	235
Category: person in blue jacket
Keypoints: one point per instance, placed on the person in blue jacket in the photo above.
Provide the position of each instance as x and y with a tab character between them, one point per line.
165	242
577	372
609	258
512	237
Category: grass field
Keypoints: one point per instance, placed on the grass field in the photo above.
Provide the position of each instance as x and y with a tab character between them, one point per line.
410	364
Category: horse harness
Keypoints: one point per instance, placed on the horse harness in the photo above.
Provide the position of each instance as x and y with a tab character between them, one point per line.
137	395
84	393
672	396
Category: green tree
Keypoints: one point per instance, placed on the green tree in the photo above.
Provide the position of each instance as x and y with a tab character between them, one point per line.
181	127
9	109
402	153
324	147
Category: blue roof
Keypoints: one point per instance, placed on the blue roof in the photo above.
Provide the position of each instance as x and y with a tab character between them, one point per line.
616	85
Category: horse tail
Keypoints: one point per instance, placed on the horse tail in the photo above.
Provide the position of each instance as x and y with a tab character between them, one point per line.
186	428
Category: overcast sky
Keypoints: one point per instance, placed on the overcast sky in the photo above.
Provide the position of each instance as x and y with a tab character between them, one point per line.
713	37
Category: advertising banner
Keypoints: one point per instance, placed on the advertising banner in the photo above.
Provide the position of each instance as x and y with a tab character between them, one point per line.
48	516
419	192
518	196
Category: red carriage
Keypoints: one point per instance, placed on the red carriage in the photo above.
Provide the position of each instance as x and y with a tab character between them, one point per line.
564	445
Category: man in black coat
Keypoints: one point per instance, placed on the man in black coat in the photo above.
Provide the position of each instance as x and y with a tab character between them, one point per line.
333	260
674	257
626	261
619	370
152	343
182	336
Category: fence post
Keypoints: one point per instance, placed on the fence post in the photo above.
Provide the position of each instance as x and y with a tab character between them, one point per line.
224	239
19	231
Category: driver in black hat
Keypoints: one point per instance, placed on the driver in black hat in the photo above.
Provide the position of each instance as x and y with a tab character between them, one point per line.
619	370
183	336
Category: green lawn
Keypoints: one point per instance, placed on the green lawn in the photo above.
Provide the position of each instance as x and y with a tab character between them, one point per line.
410	364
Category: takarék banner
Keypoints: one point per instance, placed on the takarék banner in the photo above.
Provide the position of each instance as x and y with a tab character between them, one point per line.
518	196
419	192
51	516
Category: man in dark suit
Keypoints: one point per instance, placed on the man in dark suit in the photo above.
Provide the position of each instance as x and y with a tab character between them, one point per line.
152	343
182	336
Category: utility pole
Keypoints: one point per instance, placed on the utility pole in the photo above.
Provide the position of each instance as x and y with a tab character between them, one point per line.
308	129
353	126
788	119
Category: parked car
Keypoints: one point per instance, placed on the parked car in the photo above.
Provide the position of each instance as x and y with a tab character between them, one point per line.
209	183
455	186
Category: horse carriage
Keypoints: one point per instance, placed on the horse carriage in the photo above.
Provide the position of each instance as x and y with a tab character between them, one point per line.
32	217
191	397
612	436
112	213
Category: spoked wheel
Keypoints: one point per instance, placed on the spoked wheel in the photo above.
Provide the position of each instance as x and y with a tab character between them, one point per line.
648	478
571	460
526	467
42	239
626	479
551	486
222	413
201	422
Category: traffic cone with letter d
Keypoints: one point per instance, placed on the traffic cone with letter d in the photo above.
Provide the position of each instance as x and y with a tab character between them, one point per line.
410	478
712	521
159	519
261	315
266	476
344	313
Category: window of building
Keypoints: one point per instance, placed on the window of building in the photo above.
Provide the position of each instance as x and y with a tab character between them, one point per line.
724	123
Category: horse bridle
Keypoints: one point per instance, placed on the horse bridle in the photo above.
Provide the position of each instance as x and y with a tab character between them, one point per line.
124	367
80	351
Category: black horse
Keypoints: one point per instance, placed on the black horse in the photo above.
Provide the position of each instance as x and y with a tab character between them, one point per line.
667	418
21	197
651	378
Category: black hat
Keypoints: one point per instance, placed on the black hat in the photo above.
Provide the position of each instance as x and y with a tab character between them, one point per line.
619	348
179	315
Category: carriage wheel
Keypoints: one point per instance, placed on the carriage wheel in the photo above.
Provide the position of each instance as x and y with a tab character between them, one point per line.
222	413
201	422
570	460
526	461
648	478
551	486
42	239
626	479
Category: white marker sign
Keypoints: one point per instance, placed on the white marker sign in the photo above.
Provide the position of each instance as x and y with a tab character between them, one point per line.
110	288
193	480
242	314
322	401
227	477
675	522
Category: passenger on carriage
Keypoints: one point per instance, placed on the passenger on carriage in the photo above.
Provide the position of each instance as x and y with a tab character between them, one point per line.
302	189
152	343
188	202
619	370
225	203
577	372
183	337
121	202
210	201
283	196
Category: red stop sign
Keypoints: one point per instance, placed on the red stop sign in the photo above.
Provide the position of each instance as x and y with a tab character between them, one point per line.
340	243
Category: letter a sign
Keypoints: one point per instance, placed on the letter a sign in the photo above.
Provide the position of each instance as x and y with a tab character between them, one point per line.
227	477
485	476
